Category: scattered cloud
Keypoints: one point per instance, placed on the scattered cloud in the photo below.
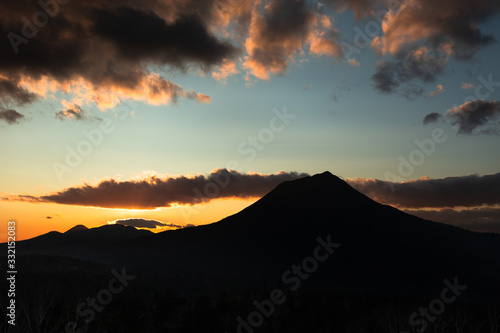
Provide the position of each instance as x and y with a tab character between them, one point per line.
308	87
450	192
283	30
466	85
353	62
227	69
154	192
439	90
11	116
75	113
476	117
399	76
451	26
67	53
423	35
13	93
224	38
432	117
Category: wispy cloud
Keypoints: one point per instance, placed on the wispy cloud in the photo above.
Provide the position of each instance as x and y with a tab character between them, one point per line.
439	90
11	116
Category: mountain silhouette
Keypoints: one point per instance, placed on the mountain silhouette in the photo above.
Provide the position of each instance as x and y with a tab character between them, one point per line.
78	227
382	250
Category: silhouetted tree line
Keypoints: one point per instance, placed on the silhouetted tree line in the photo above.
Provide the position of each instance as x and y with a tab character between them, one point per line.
50	290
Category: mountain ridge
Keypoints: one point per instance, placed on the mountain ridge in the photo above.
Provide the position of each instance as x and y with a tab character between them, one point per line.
382	249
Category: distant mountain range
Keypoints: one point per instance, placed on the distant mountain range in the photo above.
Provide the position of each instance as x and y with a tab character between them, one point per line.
382	250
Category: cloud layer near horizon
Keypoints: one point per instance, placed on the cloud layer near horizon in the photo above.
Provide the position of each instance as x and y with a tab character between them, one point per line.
449	192
148	224
155	192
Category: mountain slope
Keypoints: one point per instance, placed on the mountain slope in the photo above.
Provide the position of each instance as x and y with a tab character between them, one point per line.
383	250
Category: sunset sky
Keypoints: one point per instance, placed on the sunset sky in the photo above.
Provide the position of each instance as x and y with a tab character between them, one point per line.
129	109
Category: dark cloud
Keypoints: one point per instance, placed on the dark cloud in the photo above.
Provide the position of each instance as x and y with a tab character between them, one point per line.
109	47
140	35
399	76
12	93
432	117
10	116
384	77
450	192
144	223
476	219
157	192
476	117
285	29
423	35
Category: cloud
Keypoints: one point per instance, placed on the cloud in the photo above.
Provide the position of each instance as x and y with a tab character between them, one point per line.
227	69
384	77
466	85
475	117
450	192
447	25
419	63
144	223
75	113
359	7
353	62
432	117
11	116
422	35
154	192
284	29
12	93
439	90
136	38
476	219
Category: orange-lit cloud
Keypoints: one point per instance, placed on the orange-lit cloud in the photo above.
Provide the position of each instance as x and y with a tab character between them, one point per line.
101	53
423	35
284	30
439	90
154	192
227	69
